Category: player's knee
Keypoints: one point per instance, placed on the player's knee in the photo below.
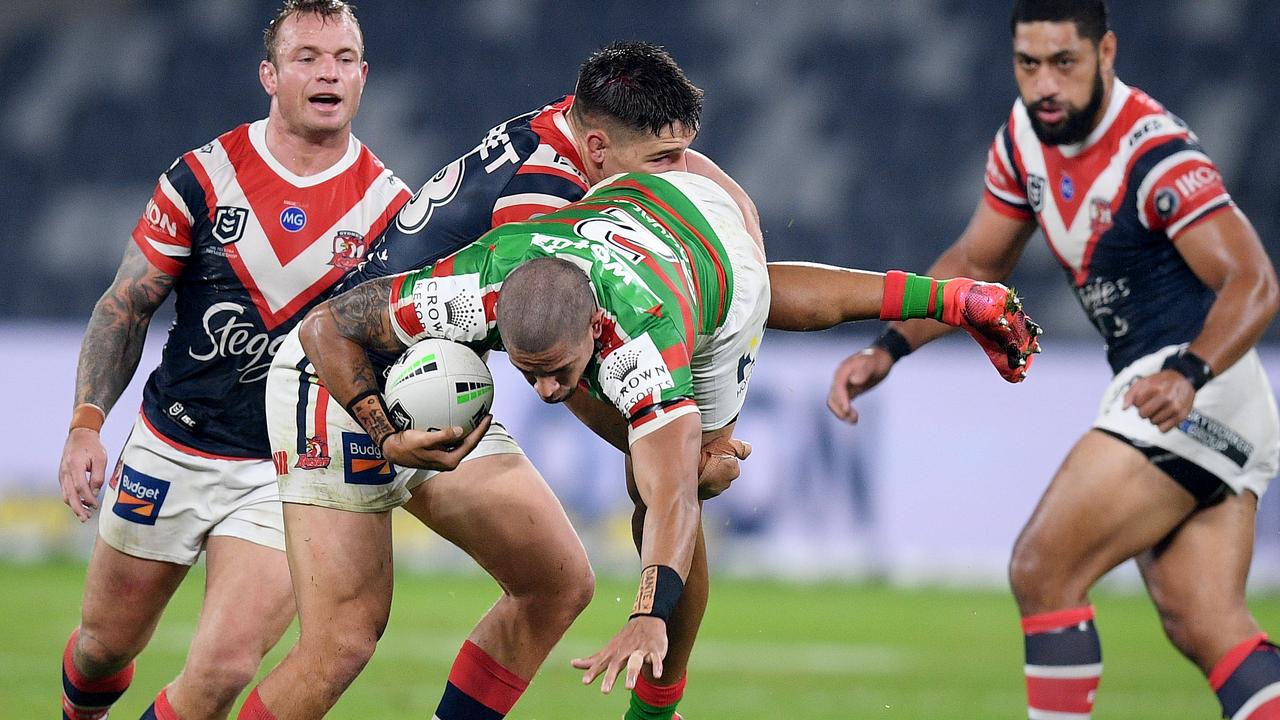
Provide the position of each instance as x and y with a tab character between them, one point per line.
97	656
339	651
1036	585
559	602
222	676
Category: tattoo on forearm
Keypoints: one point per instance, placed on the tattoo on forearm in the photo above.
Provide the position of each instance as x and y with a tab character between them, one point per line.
371	413
361	316
117	329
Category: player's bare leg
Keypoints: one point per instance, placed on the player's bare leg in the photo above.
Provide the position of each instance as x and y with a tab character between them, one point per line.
341	567
1106	504
1197	578
124	597
248	603
500	511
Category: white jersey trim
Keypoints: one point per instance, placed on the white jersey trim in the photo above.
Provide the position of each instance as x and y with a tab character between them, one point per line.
258	138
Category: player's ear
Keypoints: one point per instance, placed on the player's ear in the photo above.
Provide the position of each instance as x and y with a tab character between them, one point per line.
267	76
597	145
1107	52
597	324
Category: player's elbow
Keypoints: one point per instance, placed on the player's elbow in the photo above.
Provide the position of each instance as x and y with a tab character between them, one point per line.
1264	291
315	327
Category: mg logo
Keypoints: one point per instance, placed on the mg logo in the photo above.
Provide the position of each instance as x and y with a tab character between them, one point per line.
293	219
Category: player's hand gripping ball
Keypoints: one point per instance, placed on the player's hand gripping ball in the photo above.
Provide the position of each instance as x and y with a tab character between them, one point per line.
993	315
438	384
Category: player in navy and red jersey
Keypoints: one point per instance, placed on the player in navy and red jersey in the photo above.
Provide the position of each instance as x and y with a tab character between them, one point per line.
1187	437
249	231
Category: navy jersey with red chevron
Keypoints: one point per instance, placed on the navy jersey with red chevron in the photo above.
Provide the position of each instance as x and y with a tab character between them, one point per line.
1112	209
525	167
253	247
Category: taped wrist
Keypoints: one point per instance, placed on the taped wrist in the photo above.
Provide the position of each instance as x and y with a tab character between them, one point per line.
894	343
908	296
1191	366
87	416
371	411
660	588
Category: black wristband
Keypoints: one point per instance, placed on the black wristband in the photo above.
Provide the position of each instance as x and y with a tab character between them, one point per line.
660	588
894	343
1191	366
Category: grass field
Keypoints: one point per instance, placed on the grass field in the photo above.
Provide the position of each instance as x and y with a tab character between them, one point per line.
767	651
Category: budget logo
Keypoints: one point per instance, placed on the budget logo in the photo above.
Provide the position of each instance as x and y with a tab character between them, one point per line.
140	496
293	219
362	461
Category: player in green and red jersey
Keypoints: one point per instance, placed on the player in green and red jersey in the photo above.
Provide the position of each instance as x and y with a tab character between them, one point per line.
660	294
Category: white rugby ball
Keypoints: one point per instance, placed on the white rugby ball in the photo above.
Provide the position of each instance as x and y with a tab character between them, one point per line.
438	384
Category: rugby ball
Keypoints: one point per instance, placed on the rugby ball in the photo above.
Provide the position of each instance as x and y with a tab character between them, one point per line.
438	384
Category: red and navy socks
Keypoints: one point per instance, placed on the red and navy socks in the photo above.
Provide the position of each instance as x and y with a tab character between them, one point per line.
1064	664
479	687
89	699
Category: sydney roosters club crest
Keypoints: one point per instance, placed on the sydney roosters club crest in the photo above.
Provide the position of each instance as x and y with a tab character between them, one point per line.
1099	215
316	456
348	249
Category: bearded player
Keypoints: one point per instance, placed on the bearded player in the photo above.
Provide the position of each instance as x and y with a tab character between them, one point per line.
1187	438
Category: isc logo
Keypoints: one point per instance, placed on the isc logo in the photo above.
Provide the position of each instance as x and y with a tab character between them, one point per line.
293	219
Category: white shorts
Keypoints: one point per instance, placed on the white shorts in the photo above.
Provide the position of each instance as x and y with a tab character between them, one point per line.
722	362
324	457
1233	432
162	502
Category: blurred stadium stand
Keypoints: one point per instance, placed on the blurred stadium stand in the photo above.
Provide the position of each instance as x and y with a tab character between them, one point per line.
859	127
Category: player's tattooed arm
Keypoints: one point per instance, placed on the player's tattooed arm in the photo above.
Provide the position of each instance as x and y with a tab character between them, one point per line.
337	334
113	341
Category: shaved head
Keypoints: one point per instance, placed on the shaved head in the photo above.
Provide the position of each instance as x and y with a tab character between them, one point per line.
544	303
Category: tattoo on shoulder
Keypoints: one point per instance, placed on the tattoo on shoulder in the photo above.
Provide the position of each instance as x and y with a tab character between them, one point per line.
361	315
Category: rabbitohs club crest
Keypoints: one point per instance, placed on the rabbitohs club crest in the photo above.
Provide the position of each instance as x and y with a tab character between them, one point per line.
348	249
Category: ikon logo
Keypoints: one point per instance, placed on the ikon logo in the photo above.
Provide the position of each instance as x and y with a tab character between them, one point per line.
293	219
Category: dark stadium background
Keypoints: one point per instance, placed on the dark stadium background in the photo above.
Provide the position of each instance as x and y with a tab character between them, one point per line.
859	127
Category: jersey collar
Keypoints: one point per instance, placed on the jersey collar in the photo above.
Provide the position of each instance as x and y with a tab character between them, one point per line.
258	138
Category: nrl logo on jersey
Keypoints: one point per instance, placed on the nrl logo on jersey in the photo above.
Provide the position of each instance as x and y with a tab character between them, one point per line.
1035	192
348	249
229	223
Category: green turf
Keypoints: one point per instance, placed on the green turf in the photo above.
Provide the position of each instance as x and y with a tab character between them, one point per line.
767	651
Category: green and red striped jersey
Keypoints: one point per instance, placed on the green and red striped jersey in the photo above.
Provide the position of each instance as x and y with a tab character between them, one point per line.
657	270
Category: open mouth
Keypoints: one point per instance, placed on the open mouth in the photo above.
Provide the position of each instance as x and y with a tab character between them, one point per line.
327	101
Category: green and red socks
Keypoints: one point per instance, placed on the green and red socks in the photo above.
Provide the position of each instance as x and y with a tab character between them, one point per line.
89	699
479	687
655	702
1064	664
908	296
1247	680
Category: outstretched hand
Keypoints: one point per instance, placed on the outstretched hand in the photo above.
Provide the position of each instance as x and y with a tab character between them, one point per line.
433	449
857	374
642	640
992	314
